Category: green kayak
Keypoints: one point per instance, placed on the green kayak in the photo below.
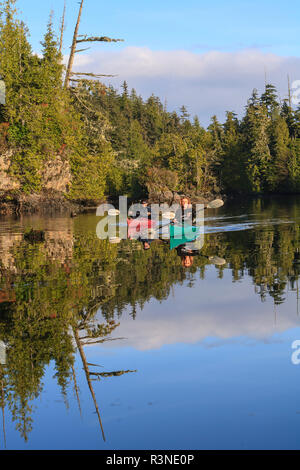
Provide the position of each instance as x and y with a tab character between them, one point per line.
179	235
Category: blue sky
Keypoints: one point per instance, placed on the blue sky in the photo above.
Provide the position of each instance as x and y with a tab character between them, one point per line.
191	25
155	30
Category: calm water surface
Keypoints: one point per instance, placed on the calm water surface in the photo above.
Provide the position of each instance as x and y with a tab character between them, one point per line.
106	346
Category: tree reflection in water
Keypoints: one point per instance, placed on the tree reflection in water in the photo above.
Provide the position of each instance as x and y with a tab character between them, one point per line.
51	291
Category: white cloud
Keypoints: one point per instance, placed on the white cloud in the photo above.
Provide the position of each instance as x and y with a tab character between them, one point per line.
207	83
209	310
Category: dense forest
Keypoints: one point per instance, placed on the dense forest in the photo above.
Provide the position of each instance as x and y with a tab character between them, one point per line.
115	142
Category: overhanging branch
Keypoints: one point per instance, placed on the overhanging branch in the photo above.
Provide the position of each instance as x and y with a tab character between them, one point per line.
82	50
85	38
95	75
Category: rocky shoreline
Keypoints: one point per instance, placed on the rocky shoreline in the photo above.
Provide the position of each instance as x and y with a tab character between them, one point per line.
44	203
56	180
53	202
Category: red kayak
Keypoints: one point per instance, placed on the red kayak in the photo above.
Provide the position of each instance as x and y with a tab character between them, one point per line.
138	225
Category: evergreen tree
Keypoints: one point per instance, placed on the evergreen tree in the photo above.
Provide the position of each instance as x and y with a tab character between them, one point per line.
280	149
269	99
288	114
233	175
184	115
256	143
294	165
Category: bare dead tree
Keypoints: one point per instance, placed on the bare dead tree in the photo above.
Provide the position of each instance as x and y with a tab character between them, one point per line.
289	91
83	38
87	375
62	29
2	404
73	48
76	389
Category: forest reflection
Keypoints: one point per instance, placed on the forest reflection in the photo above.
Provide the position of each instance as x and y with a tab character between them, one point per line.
70	289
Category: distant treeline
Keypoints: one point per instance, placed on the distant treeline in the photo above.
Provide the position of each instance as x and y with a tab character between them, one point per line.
118	143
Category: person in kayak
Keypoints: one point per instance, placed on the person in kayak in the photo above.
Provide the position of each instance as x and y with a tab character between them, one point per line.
147	207
186	261
186	255
185	212
146	244
140	226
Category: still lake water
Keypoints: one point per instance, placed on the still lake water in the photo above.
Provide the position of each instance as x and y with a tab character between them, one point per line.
102	341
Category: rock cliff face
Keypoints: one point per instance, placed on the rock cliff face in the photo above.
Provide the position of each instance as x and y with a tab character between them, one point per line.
8	242
56	181
7	182
56	175
57	245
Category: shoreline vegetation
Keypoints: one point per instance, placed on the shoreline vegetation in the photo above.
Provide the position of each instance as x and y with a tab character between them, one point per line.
68	142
